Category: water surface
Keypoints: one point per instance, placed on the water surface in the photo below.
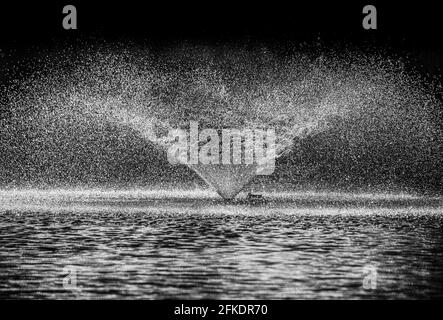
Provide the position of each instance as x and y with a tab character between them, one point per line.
175	245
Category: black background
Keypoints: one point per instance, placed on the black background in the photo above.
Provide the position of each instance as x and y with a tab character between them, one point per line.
399	23
407	28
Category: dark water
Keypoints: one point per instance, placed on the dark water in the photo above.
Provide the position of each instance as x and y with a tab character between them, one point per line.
129	248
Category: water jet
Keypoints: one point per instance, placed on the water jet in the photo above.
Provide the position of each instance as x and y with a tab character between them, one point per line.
227	180
360	108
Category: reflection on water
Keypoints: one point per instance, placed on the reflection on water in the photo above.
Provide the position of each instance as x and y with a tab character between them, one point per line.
204	249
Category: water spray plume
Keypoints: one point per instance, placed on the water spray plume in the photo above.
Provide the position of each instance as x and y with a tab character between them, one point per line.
297	96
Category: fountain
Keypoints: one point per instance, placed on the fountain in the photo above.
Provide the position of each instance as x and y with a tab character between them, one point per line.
297	96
